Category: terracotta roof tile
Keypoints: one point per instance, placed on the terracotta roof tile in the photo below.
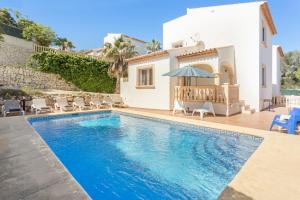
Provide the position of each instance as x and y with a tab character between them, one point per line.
205	52
148	56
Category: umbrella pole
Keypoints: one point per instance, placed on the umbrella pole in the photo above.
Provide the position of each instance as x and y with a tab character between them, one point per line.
181	81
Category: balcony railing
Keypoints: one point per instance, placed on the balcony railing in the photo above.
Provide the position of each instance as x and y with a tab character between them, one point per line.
227	94
40	49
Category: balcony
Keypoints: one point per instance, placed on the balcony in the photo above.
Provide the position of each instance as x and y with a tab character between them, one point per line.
226	94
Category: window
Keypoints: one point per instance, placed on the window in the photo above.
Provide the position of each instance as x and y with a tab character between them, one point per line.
264	34
145	78
263	76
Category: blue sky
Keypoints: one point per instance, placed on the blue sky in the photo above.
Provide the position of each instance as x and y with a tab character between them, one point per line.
86	22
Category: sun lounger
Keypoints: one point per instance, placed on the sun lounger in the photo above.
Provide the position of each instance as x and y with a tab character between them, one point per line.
62	105
39	105
12	106
96	102
107	101
178	105
207	107
288	122
117	101
79	103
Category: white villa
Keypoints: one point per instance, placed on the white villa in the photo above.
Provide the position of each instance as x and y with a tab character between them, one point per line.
234	42
140	45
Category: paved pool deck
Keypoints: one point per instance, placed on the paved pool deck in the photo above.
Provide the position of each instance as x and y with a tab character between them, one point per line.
271	173
258	120
29	169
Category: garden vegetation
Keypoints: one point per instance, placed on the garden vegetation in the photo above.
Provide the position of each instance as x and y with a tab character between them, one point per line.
33	31
88	74
290	70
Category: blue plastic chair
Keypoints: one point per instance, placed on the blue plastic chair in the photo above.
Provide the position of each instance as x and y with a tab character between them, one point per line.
289	124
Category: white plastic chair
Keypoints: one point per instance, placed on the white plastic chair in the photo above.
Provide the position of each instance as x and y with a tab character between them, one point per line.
207	107
107	101
118	101
40	105
79	103
178	106
62	105
96	102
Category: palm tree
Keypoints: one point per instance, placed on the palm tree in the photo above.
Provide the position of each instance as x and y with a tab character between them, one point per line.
64	43
153	46
116	54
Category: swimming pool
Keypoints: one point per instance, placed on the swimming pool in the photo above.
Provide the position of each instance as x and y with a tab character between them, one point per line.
120	156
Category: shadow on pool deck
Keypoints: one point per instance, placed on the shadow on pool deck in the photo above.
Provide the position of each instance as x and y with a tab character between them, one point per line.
232	194
28	169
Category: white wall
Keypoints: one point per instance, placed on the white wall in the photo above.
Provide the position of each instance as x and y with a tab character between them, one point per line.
140	47
265	59
157	98
237	25
276	71
111	37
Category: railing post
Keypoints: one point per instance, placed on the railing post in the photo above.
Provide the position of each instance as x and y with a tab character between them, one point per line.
226	95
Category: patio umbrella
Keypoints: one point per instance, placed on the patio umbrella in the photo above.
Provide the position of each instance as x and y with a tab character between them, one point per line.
189	71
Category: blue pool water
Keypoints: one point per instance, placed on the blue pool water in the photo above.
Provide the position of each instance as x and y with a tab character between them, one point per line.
117	156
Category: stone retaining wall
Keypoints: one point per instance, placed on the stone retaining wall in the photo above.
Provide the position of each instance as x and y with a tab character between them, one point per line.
17	77
15	51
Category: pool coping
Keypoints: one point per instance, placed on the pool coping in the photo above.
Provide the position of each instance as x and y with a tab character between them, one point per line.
268	174
57	159
27	117
131	114
29	168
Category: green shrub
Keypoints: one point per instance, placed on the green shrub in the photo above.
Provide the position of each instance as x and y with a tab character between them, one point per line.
7	94
88	74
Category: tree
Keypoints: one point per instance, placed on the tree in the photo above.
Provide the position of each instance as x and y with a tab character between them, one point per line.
64	43
297	74
153	46
116	54
40	34
290	70
6	18
23	23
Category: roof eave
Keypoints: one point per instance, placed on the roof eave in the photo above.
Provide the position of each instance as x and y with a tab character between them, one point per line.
147	56
267	14
280	51
203	53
